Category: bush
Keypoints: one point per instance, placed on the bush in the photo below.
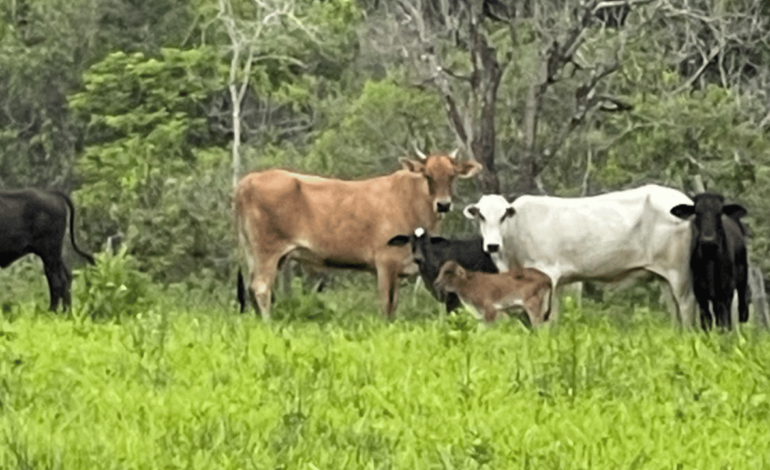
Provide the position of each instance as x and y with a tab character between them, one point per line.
113	287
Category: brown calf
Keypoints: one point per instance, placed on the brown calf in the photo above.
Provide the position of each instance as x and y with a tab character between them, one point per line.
332	223
489	294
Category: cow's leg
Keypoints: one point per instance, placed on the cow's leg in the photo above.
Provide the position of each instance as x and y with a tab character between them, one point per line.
744	292
67	280
743	302
453	302
387	284
532	313
536	306
706	321
722	312
56	281
490	312
552	304
680	284
262	280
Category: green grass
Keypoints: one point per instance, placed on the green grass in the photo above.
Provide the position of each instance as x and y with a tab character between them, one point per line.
205	388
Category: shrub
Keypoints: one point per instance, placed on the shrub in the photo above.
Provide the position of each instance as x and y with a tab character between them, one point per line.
113	287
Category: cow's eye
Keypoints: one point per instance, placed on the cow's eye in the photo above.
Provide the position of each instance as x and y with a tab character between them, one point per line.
481	218
431	184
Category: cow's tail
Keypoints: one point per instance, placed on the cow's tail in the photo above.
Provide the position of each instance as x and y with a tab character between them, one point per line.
241	292
241	240
544	293
71	206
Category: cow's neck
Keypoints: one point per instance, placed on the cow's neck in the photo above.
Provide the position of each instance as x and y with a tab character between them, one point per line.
416	200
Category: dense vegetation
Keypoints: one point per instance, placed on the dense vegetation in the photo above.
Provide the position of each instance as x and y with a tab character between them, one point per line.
182	387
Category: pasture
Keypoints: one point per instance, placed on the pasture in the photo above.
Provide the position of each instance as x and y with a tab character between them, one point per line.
188	383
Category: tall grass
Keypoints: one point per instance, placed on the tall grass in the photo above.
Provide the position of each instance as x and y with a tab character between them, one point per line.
184	387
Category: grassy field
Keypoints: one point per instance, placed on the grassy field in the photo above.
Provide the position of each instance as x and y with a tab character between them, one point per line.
333	386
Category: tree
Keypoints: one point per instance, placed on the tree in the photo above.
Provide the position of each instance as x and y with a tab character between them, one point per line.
466	48
45	46
280	40
245	37
43	49
151	163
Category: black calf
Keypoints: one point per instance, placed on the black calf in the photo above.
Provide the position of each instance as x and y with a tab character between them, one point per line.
430	253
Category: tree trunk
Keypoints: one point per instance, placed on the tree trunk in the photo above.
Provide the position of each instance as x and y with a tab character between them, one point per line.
485	82
528	171
236	133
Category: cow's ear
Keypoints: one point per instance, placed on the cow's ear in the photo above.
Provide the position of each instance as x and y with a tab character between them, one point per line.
467	169
460	271
412	165
471	212
399	240
734	211
438	240
683	211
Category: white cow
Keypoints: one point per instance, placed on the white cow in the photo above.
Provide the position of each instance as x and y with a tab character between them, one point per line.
607	237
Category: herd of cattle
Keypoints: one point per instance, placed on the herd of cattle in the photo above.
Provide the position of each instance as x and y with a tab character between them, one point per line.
528	248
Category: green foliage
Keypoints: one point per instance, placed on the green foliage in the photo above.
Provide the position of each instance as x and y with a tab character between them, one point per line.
45	46
152	170
208	389
376	128
144	25
24	283
131	94
674	138
113	288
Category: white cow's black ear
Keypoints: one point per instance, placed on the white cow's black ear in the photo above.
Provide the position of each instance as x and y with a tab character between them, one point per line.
438	240
734	211
471	212
683	211
399	240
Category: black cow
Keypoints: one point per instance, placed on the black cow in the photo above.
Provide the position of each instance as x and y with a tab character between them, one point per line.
35	221
718	260
430	253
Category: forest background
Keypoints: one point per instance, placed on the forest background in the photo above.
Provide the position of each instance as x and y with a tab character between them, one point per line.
147	111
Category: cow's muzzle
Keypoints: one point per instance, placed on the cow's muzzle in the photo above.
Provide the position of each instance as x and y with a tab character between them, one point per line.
443	207
493	248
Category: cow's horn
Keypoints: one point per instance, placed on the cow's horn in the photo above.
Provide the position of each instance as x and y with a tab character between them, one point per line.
453	155
421	155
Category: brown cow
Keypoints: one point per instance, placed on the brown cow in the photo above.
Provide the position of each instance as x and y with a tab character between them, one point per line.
487	294
333	223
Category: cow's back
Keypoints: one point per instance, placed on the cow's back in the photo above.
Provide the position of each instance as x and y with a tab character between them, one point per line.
469	254
32	212
31	221
337	221
598	237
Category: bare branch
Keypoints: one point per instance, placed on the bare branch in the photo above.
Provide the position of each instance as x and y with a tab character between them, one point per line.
436	71
586	101
716	50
